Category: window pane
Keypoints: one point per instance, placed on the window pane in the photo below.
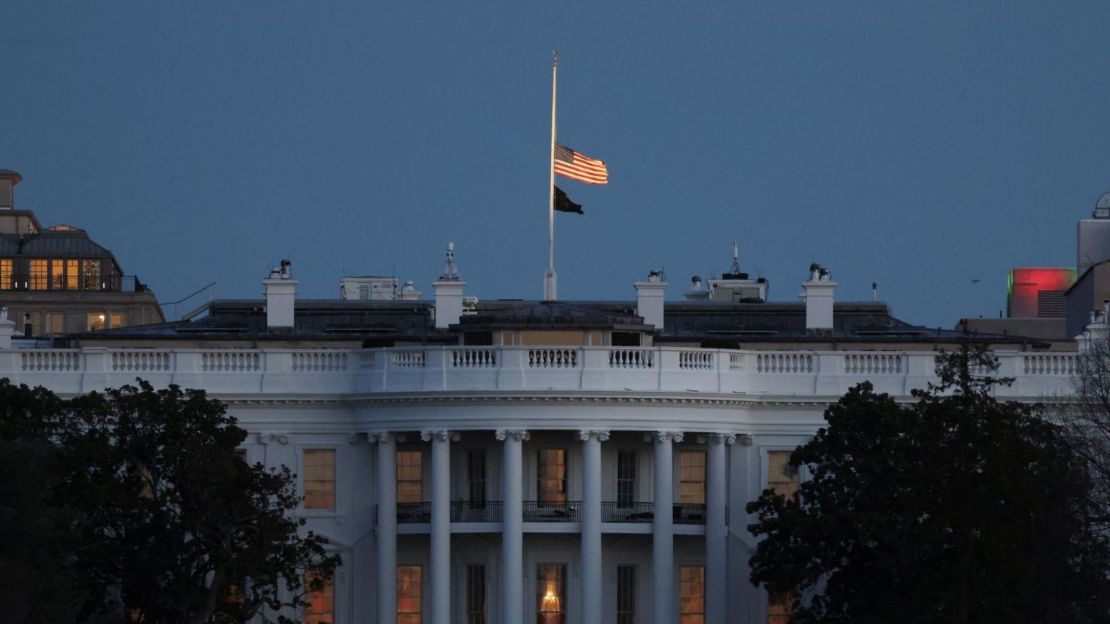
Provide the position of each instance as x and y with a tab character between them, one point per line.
691	594
410	484
319	479
38	274
57	274
410	582
96	320
90	274
779	608
476	477
476	594
626	594
71	274
5	274
781	476
321	602
691	469
552	485
551	593
119	319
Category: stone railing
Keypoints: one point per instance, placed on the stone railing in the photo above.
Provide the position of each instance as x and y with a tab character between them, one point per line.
245	372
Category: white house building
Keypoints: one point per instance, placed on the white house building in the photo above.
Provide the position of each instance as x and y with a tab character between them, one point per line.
531	461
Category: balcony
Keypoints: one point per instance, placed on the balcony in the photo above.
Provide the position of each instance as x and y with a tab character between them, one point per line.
476	511
689	514
539	511
414	513
628	512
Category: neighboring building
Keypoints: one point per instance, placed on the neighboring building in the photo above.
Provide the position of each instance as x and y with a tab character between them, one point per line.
532	461
56	280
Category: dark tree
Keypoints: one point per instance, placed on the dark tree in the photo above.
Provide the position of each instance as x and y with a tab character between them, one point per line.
1088	420
170	524
956	508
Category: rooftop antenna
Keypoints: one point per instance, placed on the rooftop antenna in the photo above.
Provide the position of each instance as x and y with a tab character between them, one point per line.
874	291
735	268
450	271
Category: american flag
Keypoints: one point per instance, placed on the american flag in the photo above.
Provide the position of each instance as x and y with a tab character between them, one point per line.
577	166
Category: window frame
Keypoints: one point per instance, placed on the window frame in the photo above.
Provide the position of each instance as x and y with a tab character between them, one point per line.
399	481
560	595
683	481
542	495
419	613
626	604
693	616
302	490
477	492
627	499
476	591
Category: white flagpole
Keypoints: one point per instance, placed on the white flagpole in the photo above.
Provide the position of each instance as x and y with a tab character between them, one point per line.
549	277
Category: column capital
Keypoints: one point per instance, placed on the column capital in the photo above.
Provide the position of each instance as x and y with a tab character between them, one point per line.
722	438
668	436
441	435
513	434
601	435
267	438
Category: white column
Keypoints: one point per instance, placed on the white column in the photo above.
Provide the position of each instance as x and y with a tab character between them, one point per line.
440	559
387	526
591	524
512	534
663	528
716	544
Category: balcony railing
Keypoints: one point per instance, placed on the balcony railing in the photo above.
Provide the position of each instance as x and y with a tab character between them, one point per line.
689	514
539	511
627	512
475	511
414	513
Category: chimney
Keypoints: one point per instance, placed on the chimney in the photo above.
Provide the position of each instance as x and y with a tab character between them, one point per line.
7	328
8	180
281	291
697	290
449	292
819	300
649	299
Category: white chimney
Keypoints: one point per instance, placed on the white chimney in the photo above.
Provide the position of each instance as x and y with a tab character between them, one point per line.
819	300
7	328
8	180
649	299
449	292
281	294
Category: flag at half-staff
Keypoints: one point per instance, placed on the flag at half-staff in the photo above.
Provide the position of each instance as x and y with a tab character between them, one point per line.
577	166
564	204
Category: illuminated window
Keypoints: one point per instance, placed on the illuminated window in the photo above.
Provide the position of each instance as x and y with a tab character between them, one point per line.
96	320
779	608
319	479
626	478
119	319
57	274
320	598
691	595
90	274
475	594
782	477
551	593
410	581
410	477
552	485
71	275
38	274
5	274
626	594
691	471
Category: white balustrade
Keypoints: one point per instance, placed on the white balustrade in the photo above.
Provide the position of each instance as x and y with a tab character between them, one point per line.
1050	364
231	361
141	361
784	363
631	358
474	358
462	368
319	361
874	364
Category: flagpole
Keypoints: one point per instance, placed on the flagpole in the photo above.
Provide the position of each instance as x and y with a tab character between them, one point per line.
549	277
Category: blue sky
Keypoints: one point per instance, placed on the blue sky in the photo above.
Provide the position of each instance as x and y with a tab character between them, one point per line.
918	145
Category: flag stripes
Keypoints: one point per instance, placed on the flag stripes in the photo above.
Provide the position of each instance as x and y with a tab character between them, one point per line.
577	166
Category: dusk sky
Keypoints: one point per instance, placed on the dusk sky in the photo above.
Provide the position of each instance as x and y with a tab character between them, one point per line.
919	145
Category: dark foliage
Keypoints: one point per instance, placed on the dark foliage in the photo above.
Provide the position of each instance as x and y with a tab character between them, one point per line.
956	508
162	521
